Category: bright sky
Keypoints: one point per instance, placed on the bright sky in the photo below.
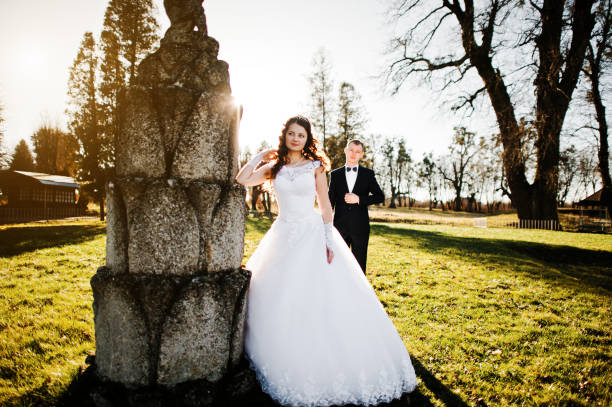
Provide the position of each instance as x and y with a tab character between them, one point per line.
269	47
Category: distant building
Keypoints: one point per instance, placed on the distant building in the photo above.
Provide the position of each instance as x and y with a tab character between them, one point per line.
34	195
595	211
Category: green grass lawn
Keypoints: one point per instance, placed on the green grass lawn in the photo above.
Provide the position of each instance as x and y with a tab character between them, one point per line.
490	316
46	319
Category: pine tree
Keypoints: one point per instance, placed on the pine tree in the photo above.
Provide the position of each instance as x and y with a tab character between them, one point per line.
84	120
350	123
321	103
113	75
55	150
22	159
136	30
129	33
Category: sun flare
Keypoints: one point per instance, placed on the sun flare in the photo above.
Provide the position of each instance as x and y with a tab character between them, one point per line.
32	62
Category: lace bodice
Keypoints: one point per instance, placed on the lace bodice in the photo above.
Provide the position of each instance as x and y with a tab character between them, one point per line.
295	189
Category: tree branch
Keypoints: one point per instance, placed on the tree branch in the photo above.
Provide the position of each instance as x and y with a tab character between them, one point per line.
469	100
581	28
418	23
487	34
431	66
434	30
535	6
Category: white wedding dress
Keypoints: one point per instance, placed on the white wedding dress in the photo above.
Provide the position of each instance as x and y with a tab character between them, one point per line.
316	334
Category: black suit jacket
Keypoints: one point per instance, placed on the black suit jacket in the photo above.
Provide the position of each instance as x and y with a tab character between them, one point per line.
353	218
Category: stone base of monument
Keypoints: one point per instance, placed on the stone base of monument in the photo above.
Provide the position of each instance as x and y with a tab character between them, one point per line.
167	340
160	329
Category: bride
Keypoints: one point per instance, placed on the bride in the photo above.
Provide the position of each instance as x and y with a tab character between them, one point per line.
316	334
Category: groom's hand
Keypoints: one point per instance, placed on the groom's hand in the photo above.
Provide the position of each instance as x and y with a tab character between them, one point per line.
351	198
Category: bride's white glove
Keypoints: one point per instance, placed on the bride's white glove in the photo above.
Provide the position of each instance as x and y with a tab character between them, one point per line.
249	175
328	241
267	154
254	161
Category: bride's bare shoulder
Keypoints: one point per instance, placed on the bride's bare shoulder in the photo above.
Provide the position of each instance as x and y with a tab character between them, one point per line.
319	168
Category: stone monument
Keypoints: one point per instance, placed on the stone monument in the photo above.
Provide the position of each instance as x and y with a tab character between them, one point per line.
169	305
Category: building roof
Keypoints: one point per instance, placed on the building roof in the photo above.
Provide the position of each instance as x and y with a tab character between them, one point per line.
50	179
601	197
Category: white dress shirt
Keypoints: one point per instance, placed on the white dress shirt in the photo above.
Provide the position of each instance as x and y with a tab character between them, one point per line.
351	177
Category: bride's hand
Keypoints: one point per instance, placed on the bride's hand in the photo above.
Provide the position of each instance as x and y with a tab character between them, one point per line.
269	154
330	255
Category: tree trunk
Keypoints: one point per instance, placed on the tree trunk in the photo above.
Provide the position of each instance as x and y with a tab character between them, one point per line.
132	61
514	164
255	193
471	204
458	203
266	203
600	110
102	214
393	198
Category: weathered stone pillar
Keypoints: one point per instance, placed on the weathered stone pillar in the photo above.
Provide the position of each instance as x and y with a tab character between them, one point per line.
170	303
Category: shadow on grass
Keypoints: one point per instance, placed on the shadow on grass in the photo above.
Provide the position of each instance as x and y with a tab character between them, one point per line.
581	266
435	386
18	240
85	389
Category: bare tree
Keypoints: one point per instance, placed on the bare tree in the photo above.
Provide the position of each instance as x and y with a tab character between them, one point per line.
599	63
396	165
427	178
555	32
528	137
568	168
491	168
484	169
462	150
322	101
588	179
407	174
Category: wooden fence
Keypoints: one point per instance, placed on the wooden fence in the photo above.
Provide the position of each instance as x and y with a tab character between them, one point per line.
12	215
545	224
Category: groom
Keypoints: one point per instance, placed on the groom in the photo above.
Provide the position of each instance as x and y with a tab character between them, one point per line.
351	189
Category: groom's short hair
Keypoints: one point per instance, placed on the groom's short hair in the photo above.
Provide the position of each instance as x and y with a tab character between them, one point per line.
356	142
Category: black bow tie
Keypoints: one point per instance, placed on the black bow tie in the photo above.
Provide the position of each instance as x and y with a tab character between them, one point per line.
348	169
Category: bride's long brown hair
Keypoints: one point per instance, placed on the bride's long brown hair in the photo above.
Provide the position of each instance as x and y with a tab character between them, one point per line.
310	151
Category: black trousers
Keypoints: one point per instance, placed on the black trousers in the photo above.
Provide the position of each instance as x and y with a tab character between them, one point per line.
358	245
